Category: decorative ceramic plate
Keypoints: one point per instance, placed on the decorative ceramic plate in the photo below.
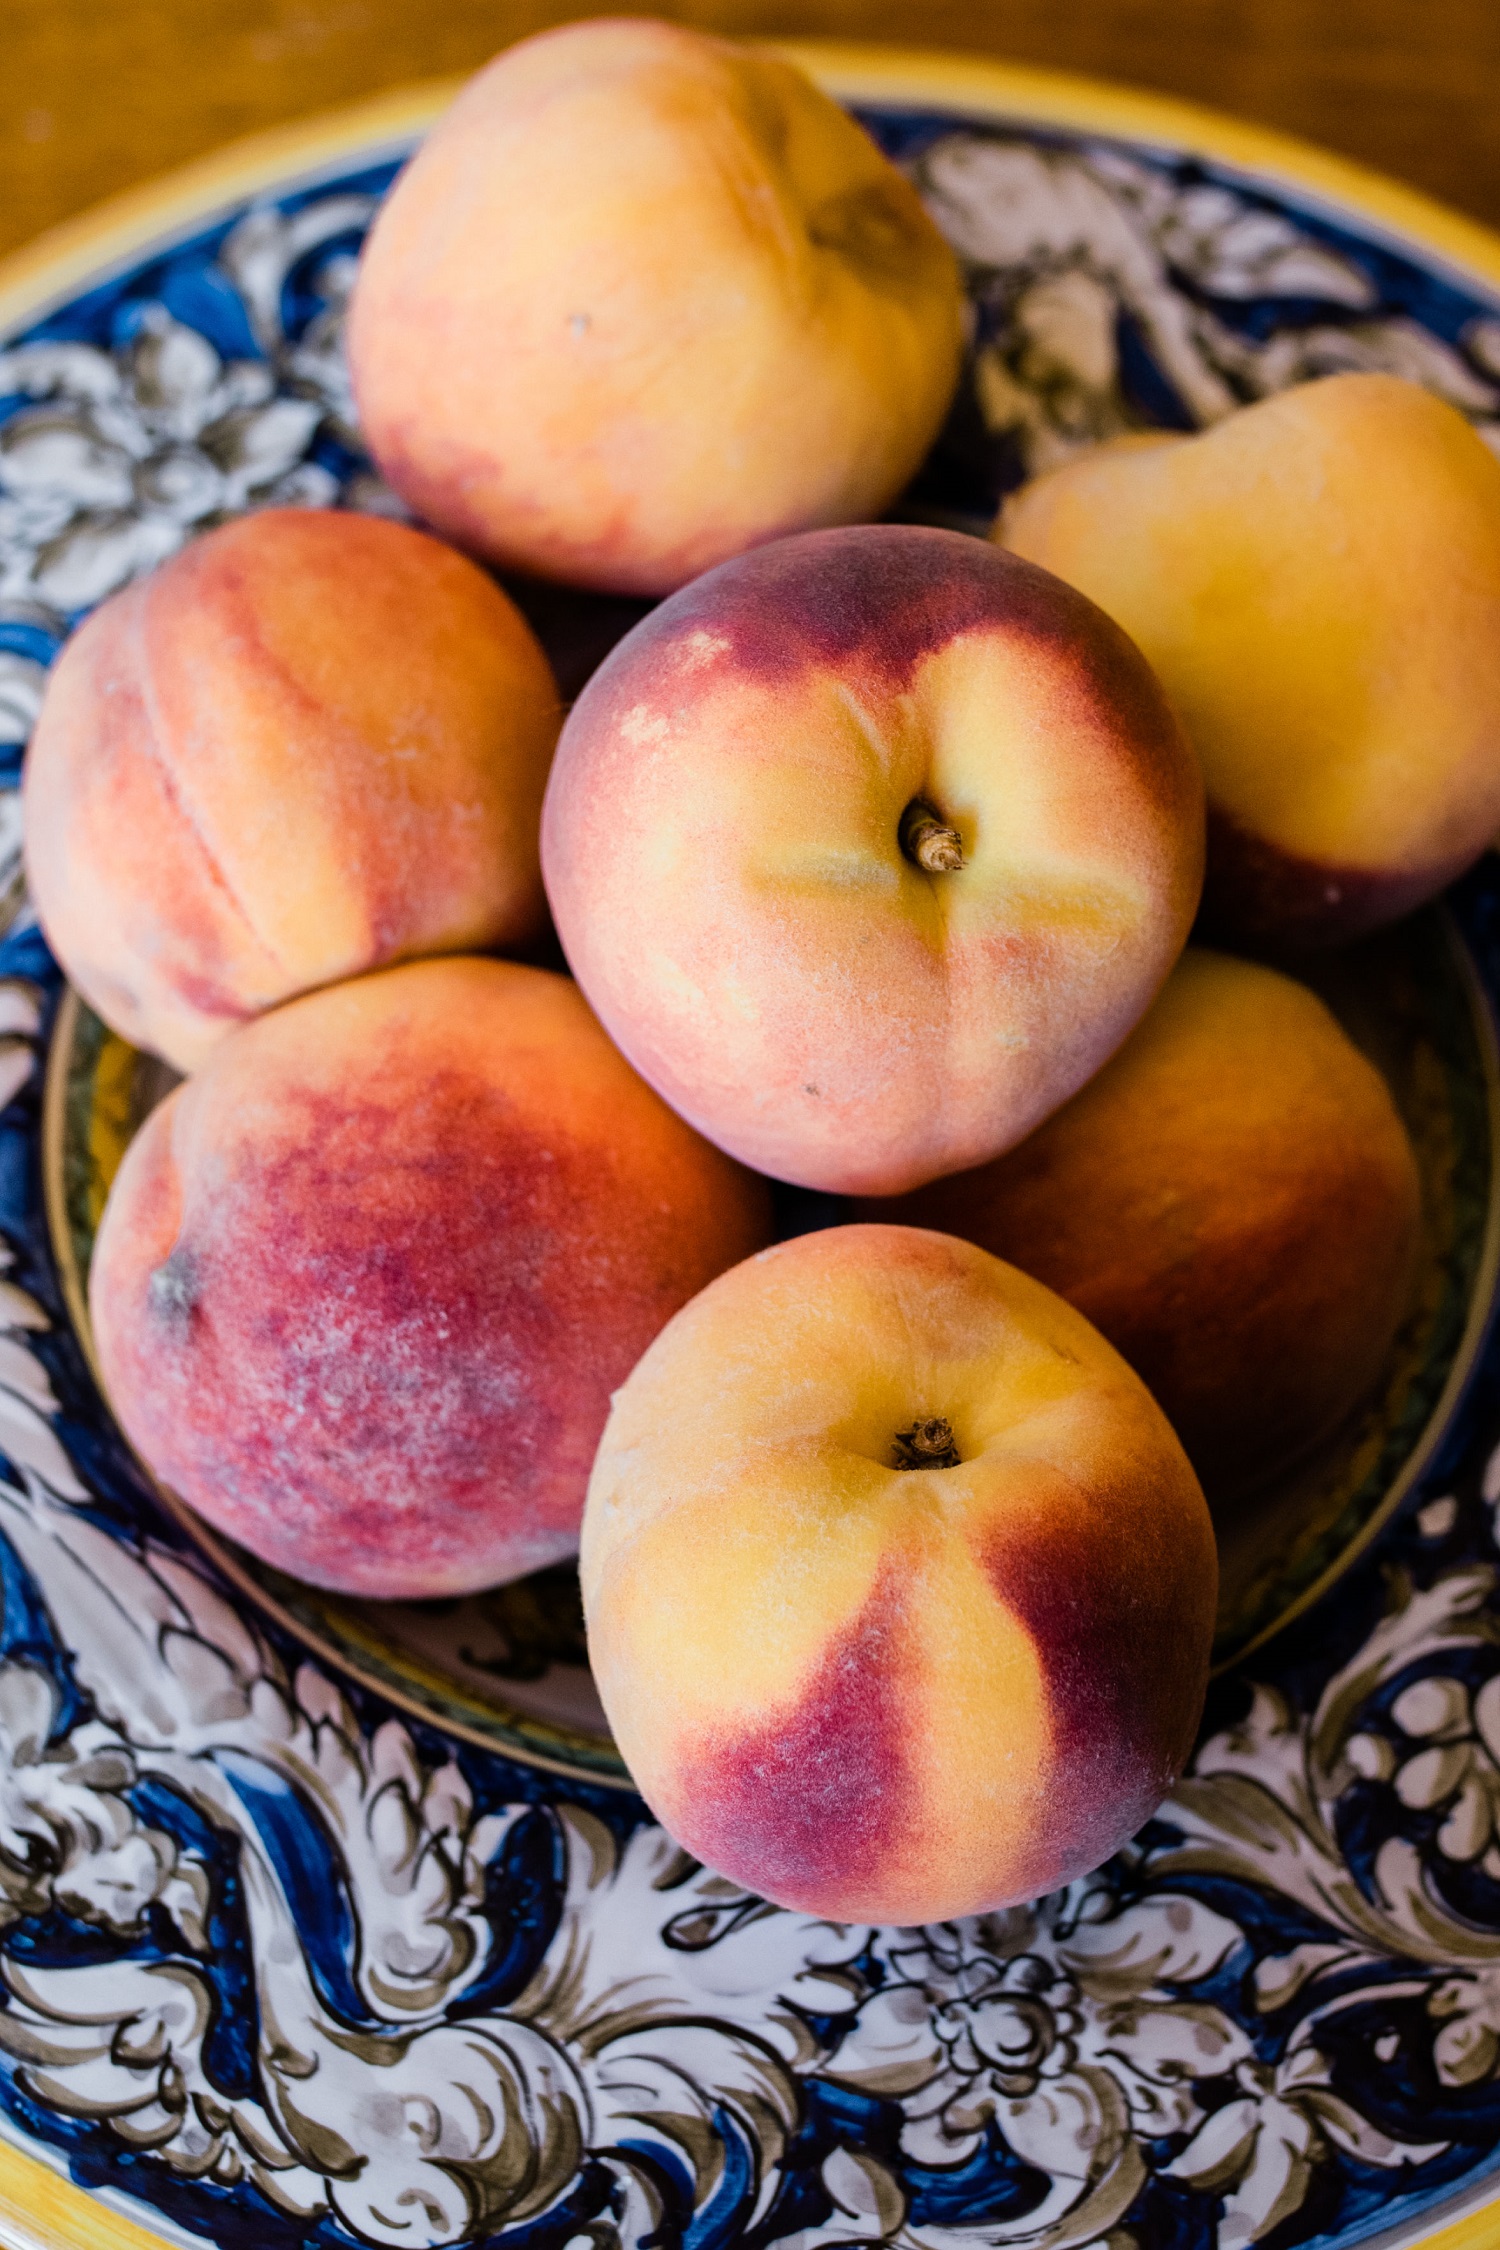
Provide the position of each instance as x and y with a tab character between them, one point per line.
326	1925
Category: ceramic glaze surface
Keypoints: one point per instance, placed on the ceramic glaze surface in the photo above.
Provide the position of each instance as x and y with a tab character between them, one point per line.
286	1967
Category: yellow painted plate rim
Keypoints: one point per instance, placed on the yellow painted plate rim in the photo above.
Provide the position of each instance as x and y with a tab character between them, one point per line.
84	251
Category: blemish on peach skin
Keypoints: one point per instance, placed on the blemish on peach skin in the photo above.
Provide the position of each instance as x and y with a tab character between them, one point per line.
791	1807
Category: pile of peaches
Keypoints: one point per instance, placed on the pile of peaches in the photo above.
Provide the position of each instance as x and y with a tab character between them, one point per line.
873	851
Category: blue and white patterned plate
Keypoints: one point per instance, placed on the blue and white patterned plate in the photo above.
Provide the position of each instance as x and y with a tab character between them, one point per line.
291	1964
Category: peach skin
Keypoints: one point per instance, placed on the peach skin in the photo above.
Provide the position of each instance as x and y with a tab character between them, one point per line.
1233	1202
309	745
362	1289
642	299
1317	582
899	1587
868	848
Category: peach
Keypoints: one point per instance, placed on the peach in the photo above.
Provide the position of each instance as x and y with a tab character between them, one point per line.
883	1696
362	1289
1317	582
868	848
1233	1202
309	745
643	299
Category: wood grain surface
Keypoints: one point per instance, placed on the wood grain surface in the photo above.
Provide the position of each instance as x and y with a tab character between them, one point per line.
97	95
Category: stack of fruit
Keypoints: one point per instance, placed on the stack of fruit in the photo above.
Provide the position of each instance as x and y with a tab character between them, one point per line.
874	850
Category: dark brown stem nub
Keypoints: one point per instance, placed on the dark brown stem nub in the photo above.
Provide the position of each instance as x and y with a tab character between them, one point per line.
929	842
927	1445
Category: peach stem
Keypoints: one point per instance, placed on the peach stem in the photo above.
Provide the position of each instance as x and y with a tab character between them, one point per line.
929	842
927	1445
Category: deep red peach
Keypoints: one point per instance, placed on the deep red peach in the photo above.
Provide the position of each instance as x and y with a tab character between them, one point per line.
363	1288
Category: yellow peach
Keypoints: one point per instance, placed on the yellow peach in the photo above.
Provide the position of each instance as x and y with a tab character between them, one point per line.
1317	582
643	299
899	1588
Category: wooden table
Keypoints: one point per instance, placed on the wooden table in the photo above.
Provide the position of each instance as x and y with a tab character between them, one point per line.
99	94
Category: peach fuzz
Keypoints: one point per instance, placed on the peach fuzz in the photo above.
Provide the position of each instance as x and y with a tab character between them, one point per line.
887	1694
1233	1202
363	1288
1317	582
309	745
643	299
868	848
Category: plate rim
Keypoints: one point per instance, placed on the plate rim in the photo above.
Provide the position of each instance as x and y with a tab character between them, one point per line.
86	250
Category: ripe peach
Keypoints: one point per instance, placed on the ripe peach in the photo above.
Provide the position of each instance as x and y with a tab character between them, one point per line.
1233	1202
1317	582
868	847
643	299
308	745
363	1288
880	1696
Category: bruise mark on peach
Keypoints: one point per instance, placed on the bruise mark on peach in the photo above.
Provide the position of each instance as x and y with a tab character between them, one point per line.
172	1289
879	226
1121	1729
199	993
791	1806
